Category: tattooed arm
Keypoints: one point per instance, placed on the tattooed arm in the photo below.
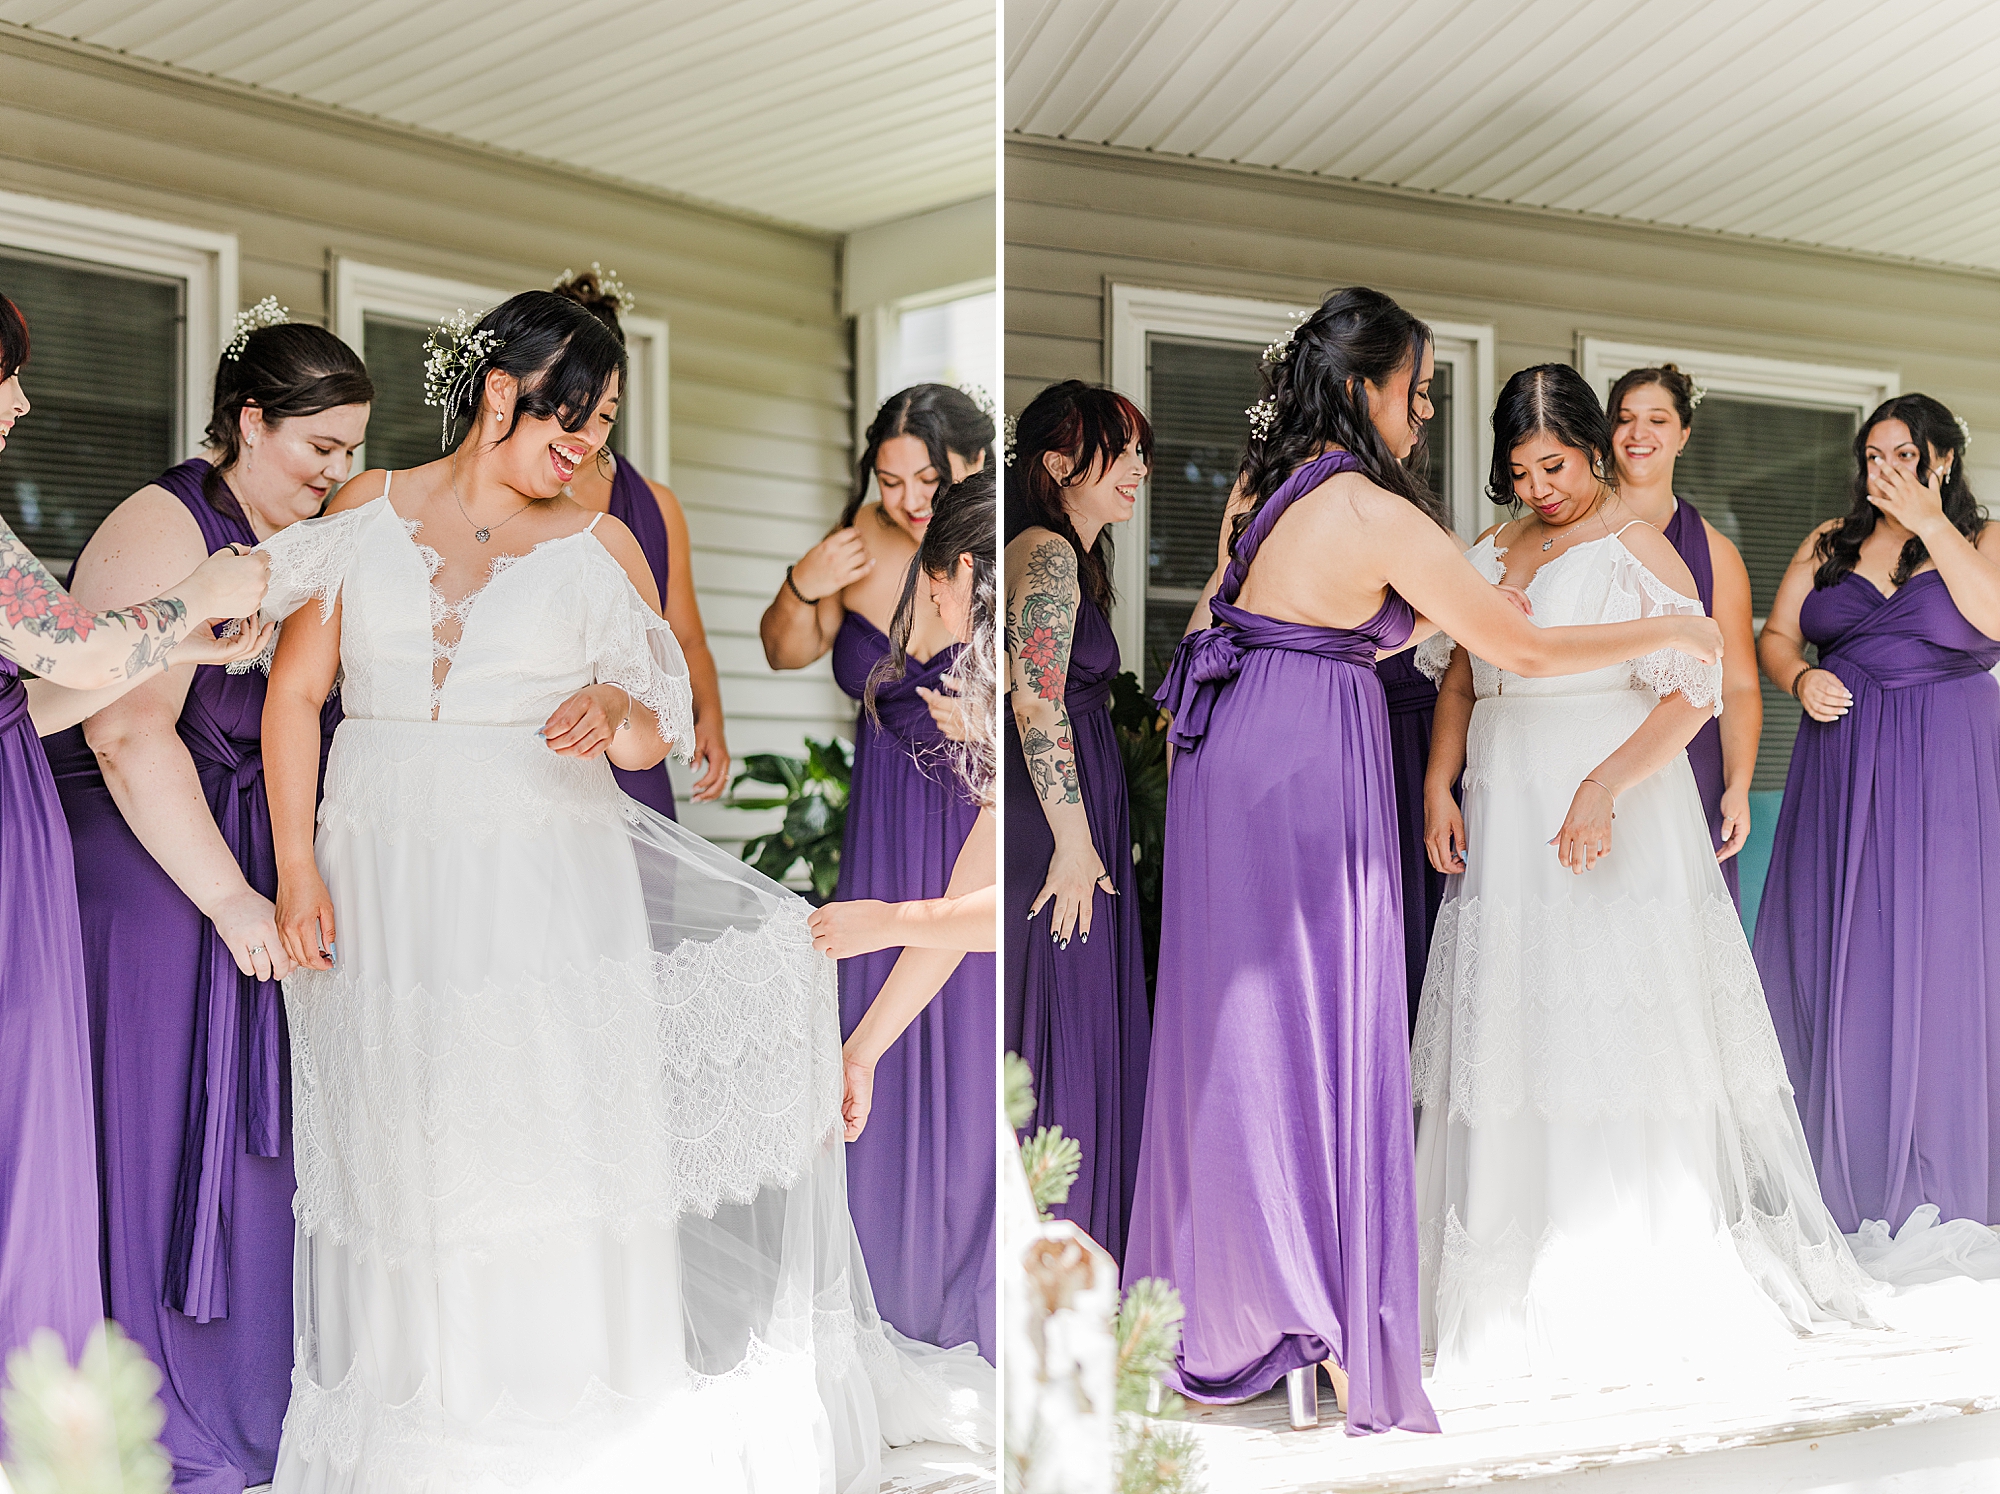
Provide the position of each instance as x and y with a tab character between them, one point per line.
1042	599
48	633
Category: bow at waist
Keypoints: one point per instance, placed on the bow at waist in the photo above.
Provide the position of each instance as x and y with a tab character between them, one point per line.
1082	696
1207	660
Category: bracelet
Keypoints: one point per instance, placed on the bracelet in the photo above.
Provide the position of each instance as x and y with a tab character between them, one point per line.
626	724
1601	784
1799	679
809	601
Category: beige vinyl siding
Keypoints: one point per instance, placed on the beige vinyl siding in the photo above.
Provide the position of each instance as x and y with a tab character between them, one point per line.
759	382
1079	218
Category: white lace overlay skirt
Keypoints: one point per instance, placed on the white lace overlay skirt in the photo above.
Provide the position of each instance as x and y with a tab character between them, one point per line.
572	1201
1612	1179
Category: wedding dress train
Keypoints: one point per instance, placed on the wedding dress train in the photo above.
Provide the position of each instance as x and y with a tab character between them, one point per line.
1612	1178
571	1194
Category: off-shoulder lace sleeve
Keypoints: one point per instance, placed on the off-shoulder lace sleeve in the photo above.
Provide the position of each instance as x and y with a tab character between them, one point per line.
1666	671
1432	657
633	647
309	559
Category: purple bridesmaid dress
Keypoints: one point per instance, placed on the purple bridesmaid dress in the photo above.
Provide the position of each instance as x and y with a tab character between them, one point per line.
1687	533
1276	1184
634	506
1412	701
1879	935
920	1178
48	1175
193	1086
1079	1015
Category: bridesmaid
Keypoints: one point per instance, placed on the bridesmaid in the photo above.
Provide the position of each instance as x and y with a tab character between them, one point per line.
1879	934
654	516
920	1178
48	1174
1077	1015
1652	412
165	798
1275	1183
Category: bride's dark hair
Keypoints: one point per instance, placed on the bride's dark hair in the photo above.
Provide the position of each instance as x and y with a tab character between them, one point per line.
562	357
1318	387
1936	432
1551	399
961	524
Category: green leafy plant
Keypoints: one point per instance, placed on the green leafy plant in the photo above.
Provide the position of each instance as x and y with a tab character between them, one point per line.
1142	743
813	795
87	1429
1153	1457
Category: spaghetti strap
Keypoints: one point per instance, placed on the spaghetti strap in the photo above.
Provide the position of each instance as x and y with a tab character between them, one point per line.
1628	524
387	478
592	524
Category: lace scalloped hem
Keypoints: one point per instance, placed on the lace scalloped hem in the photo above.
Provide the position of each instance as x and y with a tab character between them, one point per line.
636	1091
1580	1009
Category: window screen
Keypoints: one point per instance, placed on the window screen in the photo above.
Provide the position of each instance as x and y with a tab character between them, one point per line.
1199	392
1765	474
103	379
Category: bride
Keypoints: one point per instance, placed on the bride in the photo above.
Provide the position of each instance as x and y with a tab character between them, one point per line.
566	1078
1612	1179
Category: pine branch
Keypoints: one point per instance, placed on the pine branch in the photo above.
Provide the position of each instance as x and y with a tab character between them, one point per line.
1052	1161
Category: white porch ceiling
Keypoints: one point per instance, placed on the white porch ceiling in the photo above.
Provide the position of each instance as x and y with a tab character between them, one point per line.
828	113
1869	125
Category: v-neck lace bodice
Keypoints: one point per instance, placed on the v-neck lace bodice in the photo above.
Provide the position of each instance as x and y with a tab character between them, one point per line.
545	623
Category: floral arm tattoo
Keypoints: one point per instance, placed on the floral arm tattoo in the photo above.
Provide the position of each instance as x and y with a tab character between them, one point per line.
1041	623
40	622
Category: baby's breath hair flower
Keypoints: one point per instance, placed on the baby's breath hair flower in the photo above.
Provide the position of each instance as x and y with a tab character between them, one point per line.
266	313
1009	429
1697	392
1280	348
1261	415
452	354
1964	430
978	395
609	286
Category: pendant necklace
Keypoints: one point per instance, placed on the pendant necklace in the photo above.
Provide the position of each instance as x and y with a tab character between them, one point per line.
478	533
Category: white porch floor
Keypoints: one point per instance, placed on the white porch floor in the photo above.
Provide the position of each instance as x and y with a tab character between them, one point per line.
1915	1411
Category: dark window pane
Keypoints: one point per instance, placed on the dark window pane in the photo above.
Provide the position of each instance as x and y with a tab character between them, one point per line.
403	431
1766	474
103	379
1437	436
1198	393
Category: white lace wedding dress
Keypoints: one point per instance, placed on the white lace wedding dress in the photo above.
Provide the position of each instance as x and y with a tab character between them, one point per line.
1611	1175
571	1198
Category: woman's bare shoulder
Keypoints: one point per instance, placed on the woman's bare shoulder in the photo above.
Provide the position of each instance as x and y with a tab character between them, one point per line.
1656	553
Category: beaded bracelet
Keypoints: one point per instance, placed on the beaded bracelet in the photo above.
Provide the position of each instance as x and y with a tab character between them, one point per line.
809	601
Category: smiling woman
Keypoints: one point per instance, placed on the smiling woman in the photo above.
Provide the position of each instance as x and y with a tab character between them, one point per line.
165	799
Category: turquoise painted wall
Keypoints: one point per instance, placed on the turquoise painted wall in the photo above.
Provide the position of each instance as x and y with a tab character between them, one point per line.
1755	857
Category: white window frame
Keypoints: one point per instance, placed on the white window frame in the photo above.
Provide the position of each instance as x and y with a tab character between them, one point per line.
361	289
1138	312
204	261
877	333
1829	385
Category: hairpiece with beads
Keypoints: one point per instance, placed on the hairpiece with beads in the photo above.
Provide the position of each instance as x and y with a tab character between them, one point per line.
452	354
266	313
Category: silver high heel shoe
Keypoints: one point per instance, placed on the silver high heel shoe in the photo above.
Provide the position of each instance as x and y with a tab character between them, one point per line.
1302	1396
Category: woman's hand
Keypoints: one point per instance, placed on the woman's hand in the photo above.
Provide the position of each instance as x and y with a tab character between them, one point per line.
230	583
832	565
712	752
305	919
1585	837
1517	596
1735	822
249	639
1823	694
946	709
1444	832
1917	506
248	925
857	1092
1075	872
842	930
583	725
1699	637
